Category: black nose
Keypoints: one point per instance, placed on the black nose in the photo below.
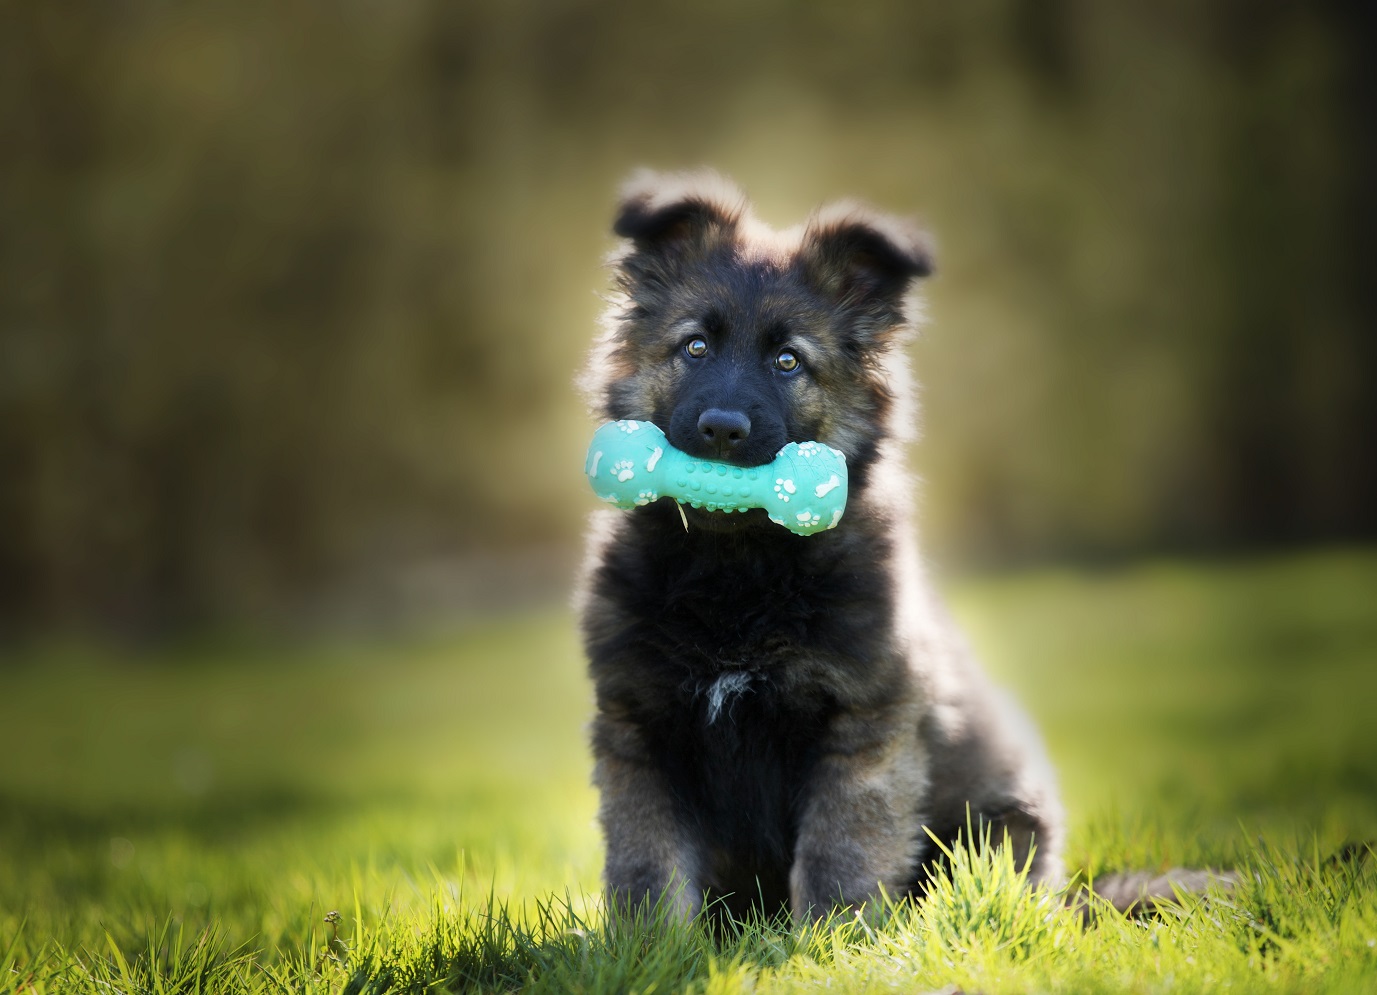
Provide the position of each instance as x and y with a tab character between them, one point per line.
724	430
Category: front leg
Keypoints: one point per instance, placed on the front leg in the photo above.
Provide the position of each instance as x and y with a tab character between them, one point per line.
650	852
860	827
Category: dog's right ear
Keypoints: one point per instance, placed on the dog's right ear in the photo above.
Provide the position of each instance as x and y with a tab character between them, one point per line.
672	216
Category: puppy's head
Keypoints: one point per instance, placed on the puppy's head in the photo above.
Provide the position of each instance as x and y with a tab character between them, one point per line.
736	339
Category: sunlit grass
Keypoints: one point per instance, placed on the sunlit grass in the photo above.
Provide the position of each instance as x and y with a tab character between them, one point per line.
183	822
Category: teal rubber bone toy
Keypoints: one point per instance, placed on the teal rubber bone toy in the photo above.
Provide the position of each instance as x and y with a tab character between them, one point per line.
631	463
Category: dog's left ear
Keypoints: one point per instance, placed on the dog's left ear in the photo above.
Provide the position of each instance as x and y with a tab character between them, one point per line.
862	258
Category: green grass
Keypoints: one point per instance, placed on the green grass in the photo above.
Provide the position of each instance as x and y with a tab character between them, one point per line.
182	822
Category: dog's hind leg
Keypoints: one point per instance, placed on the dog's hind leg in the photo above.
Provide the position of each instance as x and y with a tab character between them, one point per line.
1022	831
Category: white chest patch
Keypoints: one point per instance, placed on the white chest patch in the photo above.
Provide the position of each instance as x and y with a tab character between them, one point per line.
726	687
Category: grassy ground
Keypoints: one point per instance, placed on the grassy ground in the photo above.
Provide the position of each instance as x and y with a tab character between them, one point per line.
176	825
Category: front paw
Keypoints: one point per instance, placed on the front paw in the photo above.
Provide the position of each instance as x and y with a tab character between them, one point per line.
649	893
835	880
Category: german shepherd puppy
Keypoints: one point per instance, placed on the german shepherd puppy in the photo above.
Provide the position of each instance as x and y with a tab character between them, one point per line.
778	716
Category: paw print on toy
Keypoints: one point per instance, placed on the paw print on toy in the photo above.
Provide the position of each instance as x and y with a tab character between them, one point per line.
809	449
645	497
623	470
808	519
784	487
629	425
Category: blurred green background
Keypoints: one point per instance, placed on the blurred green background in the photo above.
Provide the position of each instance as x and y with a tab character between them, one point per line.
292	294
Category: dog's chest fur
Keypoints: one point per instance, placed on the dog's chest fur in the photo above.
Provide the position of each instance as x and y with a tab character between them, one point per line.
709	621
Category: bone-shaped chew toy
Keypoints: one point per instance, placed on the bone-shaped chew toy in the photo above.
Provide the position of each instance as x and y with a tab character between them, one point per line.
631	463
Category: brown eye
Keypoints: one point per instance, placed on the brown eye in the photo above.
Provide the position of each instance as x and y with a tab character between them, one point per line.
696	346
786	362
